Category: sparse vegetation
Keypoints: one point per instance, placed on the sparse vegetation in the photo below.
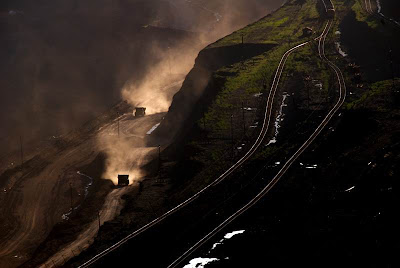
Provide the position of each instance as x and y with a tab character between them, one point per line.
378	98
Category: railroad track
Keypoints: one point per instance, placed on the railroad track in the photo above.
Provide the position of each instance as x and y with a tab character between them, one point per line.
288	164
238	164
378	15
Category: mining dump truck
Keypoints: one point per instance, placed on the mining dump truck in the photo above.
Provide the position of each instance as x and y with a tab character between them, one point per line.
123	180
140	111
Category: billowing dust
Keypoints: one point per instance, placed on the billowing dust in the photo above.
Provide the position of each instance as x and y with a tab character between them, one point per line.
154	90
123	159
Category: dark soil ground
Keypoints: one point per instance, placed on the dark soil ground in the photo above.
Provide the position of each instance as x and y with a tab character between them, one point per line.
315	217
391	8
370	47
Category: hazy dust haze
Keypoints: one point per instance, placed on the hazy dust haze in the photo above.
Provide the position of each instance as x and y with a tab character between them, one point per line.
66	62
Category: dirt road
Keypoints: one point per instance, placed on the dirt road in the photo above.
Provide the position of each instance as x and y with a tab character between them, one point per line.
35	204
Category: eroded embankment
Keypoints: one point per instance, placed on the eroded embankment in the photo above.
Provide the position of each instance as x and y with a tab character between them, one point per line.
200	87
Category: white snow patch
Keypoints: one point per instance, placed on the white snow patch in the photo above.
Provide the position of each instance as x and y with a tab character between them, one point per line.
255	125
230	235
339	48
65	216
350	189
272	141
279	119
215	245
378	4
153	128
226	237
319	85
310	166
200	262
88	185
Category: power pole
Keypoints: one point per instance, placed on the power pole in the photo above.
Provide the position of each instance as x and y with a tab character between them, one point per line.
391	66
244	121
22	152
65	261
118	125
72	206
159	157
169	60
112	18
98	216
204	129
232	134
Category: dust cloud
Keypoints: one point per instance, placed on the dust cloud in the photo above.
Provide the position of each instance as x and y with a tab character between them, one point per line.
218	19
156	89
65	62
161	80
124	157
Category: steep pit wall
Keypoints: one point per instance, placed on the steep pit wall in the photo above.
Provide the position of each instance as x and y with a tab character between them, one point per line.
200	88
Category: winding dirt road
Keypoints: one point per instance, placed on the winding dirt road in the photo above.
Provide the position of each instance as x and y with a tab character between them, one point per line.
36	203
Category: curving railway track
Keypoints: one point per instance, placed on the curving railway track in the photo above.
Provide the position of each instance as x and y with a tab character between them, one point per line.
259	141
287	165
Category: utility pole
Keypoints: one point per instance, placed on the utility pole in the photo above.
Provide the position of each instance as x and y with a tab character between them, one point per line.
159	157
391	66
204	128
72	206
98	216
112	18
118	125
232	134
244	121
65	261
169	60
22	152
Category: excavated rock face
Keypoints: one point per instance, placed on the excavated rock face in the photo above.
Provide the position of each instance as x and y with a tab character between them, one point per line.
199	87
